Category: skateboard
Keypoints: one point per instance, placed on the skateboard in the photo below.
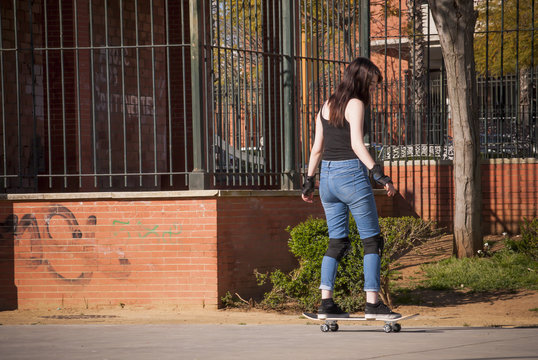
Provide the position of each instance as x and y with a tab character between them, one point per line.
331	324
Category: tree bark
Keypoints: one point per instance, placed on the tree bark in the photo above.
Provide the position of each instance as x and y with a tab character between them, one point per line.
455	21
416	34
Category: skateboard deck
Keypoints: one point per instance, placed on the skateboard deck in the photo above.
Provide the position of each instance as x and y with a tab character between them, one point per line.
331	324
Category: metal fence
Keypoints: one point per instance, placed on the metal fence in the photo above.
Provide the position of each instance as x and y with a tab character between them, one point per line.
101	95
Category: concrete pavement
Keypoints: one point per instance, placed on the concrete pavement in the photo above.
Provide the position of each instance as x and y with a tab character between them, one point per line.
262	342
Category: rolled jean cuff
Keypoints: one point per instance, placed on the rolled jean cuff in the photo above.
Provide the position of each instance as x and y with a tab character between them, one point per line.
375	290
325	287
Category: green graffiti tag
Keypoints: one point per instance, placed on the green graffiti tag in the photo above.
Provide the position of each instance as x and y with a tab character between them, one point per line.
165	234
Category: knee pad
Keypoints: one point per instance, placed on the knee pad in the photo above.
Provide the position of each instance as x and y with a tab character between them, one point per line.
338	248
373	245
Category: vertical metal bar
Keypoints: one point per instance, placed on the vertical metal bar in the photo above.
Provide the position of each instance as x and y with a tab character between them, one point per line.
385	132
35	169
326	52
364	34
517	89
270	76
3	101
281	100
169	102
503	100
79	140
154	98
257	96
18	90
183	57
108	97
197	181
64	139
225	136
93	102
249	86
240	100
486	85
207	90
138	96
364	48
233	95
288	53
237	98
399	81
123	103
532	116
217	159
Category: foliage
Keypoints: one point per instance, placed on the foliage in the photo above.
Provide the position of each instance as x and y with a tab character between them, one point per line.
309	241
505	270
528	244
510	268
401	235
495	32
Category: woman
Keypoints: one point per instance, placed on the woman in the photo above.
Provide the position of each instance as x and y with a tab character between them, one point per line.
345	186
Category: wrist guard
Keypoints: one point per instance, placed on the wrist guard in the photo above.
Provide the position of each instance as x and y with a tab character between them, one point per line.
379	177
309	185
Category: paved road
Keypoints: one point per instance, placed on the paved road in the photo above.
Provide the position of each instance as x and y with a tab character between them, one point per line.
262	342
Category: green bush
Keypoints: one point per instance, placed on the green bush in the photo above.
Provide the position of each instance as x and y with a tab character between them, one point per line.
528	244
309	241
513	267
505	270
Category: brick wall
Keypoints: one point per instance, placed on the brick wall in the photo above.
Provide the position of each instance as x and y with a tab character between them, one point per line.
106	252
105	249
509	192
190	248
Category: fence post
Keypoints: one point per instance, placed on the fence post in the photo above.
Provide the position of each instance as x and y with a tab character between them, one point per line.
364	51
289	176
198	178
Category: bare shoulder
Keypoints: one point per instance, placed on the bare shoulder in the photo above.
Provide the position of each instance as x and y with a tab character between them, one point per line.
354	108
325	112
354	103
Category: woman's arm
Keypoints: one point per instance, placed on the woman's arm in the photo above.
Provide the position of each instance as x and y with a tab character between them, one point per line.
315	158
317	148
355	117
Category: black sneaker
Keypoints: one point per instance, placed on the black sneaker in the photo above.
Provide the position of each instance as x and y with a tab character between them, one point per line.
380	311
328	309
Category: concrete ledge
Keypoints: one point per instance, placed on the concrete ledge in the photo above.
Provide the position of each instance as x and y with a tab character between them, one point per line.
120	195
419	162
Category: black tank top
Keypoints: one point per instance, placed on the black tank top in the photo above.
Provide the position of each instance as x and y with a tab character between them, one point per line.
336	141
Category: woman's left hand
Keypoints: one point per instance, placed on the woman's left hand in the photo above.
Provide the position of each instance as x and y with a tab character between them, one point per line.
308	198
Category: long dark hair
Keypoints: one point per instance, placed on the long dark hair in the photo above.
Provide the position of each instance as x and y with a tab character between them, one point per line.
355	84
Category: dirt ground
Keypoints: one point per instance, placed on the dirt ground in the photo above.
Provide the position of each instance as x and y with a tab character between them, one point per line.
437	308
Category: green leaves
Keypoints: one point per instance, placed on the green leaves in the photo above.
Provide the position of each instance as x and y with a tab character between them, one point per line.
308	242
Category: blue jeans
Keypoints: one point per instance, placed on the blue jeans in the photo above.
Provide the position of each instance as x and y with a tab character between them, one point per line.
344	186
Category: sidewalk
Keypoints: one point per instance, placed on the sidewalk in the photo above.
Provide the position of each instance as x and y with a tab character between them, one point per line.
263	342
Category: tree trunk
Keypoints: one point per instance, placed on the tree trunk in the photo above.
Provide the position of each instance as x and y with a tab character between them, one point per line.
416	35
525	109
455	21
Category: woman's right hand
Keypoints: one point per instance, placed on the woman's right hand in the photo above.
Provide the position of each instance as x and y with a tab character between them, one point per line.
391	191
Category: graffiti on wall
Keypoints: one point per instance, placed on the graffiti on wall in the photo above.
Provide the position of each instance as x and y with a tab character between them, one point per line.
65	248
138	229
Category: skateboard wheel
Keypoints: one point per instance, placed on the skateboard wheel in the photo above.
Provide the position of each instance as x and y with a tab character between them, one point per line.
334	327
396	327
325	327
387	328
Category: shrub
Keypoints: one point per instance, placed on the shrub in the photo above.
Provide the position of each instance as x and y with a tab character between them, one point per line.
528	244
309	241
511	268
505	270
